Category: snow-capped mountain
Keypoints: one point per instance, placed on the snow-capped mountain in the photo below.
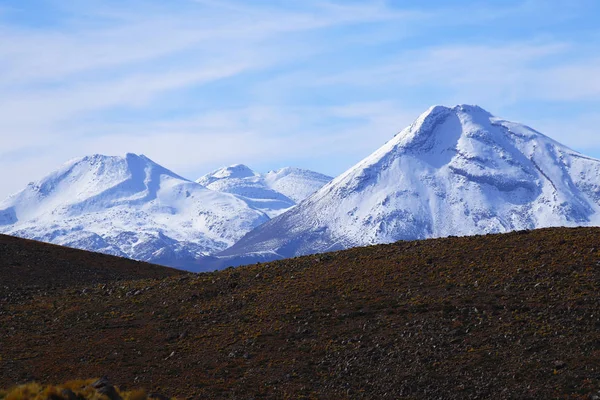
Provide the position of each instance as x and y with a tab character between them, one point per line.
128	206
273	192
454	171
295	183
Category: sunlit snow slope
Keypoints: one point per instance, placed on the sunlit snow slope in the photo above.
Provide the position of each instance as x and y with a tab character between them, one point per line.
454	171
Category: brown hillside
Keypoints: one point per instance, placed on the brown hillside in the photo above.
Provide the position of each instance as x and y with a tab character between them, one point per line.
499	316
29	263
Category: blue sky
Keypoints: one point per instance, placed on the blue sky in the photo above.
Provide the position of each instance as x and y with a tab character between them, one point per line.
199	84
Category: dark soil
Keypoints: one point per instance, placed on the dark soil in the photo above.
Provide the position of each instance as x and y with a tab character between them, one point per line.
499	316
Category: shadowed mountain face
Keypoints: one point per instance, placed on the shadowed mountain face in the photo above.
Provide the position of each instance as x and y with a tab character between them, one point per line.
454	171
498	316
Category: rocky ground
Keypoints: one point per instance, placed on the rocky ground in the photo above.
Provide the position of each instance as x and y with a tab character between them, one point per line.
499	316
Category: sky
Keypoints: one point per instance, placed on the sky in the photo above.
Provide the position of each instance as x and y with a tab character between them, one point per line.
200	84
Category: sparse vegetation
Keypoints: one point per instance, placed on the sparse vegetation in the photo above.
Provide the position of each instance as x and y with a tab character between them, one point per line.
91	389
499	316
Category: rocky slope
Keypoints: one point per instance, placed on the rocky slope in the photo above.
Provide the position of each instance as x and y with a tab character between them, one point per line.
511	316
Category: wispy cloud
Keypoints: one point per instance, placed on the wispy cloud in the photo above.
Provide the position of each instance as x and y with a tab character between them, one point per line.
200	83
497	69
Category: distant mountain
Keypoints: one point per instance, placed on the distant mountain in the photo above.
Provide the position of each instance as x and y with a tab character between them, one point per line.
128	206
454	171
273	193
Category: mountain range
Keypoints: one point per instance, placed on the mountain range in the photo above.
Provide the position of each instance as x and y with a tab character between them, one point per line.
132	207
455	171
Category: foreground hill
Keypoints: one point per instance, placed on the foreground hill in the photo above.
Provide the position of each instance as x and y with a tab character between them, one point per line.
30	264
501	316
454	171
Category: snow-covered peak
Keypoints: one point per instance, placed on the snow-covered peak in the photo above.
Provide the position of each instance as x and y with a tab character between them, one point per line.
96	169
94	182
426	128
472	109
236	171
464	138
286	171
272	193
454	171
295	183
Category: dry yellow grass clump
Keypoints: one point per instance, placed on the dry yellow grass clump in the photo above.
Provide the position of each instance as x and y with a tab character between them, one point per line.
91	389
